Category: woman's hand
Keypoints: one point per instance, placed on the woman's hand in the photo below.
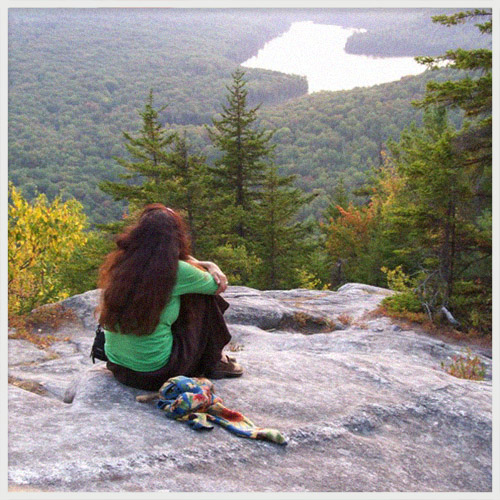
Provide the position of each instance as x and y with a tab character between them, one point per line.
212	268
219	277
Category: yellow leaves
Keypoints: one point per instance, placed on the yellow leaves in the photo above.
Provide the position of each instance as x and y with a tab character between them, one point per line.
42	235
309	280
396	279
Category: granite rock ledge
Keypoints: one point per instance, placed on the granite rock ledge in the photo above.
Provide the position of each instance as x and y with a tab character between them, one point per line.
363	402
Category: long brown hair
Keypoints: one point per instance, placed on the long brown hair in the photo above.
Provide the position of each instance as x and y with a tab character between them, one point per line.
138	277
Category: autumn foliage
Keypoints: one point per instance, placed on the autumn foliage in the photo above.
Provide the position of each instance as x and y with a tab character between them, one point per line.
42	237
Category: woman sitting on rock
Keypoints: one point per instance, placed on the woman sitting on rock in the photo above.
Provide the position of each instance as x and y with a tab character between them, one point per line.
160	308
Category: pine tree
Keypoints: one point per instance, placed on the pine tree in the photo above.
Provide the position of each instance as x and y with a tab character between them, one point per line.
279	239
339	200
433	208
152	175
162	170
192	197
239	173
473	144
473	95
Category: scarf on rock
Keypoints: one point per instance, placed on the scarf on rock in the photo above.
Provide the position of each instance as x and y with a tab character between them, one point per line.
193	400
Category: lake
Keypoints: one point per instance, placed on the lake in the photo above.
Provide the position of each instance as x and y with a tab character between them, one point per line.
316	51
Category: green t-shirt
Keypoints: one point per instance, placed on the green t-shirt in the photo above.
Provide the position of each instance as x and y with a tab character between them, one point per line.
148	353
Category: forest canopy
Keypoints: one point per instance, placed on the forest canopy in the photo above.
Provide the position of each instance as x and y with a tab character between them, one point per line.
78	77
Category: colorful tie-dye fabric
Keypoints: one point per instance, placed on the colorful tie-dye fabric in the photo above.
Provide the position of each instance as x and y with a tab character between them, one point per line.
193	400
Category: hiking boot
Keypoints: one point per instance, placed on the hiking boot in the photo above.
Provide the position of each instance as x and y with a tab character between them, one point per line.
227	367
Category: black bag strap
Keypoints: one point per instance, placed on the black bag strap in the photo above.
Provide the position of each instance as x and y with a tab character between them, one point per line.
97	350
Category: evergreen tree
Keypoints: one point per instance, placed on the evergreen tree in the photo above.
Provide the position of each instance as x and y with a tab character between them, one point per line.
279	239
239	172
192	196
339	200
152	174
162	170
473	145
256	207
433	208
473	95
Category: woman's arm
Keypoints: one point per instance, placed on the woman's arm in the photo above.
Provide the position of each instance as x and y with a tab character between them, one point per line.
219	277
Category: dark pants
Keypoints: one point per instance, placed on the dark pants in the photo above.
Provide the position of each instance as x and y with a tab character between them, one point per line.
199	335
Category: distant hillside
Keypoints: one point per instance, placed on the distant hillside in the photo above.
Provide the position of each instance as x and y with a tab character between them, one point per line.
331	135
326	136
78	77
393	32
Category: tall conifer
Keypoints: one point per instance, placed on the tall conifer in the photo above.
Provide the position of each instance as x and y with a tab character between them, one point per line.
433	208
473	95
151	173
161	169
239	172
279	239
192	195
472	146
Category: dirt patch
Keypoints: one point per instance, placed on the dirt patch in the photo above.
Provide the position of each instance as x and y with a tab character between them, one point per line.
441	332
36	327
28	385
306	323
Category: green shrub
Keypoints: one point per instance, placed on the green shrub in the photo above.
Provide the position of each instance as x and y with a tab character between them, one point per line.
403	302
471	303
80	273
238	263
405	299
